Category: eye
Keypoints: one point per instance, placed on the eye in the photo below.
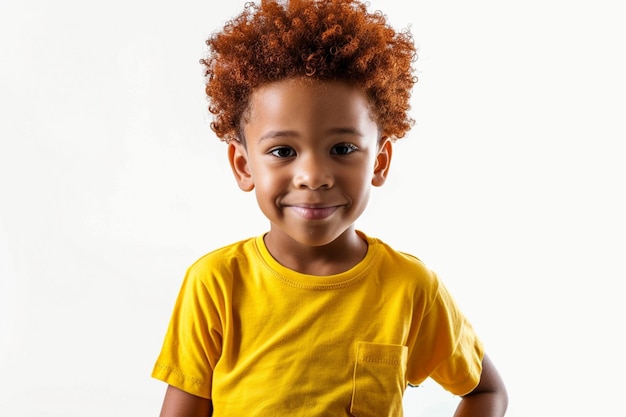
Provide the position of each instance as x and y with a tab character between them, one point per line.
282	152
343	149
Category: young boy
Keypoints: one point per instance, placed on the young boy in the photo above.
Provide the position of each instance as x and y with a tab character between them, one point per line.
314	318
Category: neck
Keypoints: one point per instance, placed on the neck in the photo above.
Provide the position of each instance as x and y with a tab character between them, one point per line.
338	256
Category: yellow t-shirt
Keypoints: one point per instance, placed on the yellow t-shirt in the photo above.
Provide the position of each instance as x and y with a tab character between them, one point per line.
259	339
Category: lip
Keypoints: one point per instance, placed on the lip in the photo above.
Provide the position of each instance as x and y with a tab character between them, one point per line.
313	212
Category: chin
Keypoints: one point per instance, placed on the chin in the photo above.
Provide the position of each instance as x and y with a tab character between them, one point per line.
317	240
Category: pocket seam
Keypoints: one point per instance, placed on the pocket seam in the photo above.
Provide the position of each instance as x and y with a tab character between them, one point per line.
379	354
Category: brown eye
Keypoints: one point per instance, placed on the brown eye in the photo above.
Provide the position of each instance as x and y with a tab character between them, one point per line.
282	152
343	149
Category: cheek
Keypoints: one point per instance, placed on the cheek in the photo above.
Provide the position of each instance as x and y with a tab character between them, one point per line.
268	181
359	177
357	185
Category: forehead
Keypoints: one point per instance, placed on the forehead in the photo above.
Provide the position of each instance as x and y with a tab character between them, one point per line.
304	100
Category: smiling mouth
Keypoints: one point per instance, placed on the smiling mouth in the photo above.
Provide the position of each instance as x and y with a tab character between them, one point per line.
314	213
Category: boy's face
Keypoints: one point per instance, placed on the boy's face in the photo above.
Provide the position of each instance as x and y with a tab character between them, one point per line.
312	154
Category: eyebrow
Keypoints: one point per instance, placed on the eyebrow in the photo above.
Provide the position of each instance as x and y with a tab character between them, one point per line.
278	134
292	133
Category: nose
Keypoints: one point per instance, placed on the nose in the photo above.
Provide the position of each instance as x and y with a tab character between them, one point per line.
313	172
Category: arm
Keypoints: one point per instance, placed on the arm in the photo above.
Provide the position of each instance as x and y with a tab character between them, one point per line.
488	399
178	403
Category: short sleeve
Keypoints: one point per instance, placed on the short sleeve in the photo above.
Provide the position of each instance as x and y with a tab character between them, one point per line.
192	342
446	348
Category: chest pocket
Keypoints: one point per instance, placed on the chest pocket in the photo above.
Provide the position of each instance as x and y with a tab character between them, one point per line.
379	380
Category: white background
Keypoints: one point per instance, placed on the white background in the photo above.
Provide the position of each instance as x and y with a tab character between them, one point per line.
510	186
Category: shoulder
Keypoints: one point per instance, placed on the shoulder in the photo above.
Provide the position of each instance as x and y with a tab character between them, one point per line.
222	257
403	266
391	256
221	265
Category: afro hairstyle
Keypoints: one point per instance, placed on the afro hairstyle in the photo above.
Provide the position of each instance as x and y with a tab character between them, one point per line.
326	40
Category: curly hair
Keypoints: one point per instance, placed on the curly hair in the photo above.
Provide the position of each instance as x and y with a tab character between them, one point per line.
327	40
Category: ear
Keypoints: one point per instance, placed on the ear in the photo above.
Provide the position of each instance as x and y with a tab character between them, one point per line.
238	158
383	161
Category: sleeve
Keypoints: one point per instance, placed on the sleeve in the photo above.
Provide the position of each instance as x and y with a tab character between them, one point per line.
445	346
193	339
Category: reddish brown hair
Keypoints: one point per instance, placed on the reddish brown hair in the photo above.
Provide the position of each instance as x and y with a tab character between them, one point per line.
320	39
